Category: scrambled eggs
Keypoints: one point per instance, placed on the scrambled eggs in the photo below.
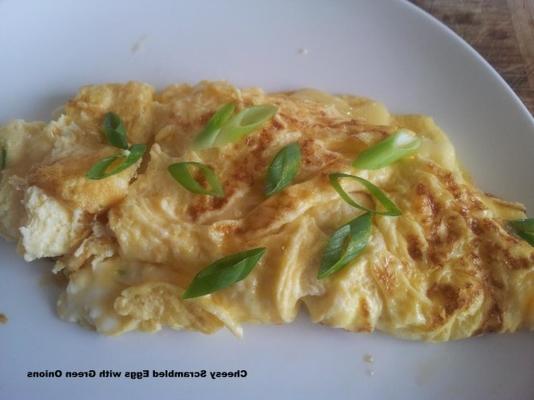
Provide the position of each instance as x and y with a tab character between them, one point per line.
130	244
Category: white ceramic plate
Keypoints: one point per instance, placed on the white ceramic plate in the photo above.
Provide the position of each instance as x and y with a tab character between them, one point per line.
388	50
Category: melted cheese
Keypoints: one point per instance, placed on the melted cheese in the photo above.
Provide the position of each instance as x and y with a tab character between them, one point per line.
51	229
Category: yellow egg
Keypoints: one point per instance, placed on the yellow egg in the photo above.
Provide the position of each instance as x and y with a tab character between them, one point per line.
130	244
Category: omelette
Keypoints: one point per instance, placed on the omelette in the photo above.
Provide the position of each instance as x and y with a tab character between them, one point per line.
208	227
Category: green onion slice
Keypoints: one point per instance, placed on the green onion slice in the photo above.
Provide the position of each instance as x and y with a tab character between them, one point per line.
245	122
345	245
3	158
181	173
100	169
528	237
387	151
115	131
223	273
524	228
283	169
207	136
390	208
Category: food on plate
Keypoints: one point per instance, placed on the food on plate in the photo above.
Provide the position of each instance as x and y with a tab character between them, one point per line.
202	207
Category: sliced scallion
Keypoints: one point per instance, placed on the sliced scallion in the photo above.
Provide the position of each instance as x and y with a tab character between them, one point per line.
207	136
283	169
345	244
3	158
100	169
387	151
182	174
224	272
115	131
245	122
390	208
524	228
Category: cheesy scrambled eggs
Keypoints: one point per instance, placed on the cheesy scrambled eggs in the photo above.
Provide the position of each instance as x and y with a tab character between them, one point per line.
130	244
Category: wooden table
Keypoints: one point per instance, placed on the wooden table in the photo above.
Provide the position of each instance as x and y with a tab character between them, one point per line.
502	31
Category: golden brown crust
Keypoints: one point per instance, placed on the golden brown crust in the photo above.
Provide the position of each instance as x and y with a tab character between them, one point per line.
65	178
133	101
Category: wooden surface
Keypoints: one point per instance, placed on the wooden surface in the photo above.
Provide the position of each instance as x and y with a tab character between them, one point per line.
502	31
